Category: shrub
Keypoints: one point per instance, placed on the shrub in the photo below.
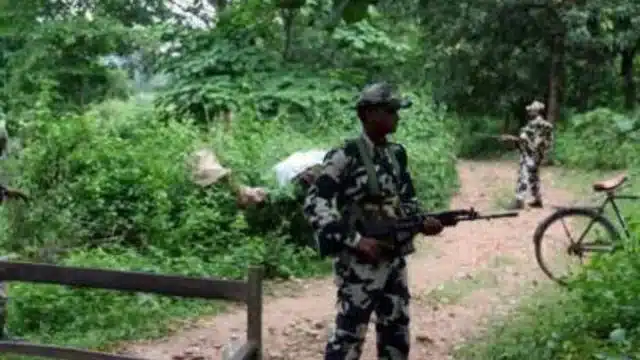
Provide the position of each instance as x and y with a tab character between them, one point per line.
99	178
474	137
599	139
117	175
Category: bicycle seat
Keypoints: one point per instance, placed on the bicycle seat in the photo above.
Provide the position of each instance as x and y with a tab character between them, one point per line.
610	184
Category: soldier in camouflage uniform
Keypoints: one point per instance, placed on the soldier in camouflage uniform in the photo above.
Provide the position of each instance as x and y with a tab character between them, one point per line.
367	178
533	143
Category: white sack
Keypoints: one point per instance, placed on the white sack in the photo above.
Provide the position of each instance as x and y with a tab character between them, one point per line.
297	163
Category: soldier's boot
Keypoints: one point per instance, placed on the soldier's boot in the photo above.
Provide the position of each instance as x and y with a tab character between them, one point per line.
516	204
537	203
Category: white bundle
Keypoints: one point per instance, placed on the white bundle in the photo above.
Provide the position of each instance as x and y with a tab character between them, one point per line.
297	163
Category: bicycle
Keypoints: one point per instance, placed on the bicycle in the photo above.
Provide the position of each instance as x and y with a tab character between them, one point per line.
594	214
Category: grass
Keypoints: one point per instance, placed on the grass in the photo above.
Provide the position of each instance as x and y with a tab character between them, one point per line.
537	313
501	198
455	290
501	261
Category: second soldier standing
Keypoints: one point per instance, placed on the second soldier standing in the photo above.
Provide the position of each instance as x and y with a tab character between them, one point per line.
533	143
365	179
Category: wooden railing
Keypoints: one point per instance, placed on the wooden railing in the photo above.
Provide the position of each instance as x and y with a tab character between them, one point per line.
249	292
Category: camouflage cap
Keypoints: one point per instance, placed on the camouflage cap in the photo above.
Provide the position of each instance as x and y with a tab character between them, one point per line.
535	106
382	93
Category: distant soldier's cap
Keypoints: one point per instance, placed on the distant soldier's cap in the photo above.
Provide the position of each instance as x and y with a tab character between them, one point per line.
535	106
383	94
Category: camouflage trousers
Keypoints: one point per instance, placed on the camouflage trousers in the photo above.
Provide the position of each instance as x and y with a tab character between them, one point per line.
363	289
528	178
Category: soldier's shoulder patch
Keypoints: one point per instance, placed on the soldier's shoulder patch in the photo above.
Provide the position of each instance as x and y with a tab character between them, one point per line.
335	162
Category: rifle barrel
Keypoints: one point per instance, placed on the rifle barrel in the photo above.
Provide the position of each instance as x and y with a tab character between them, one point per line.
499	215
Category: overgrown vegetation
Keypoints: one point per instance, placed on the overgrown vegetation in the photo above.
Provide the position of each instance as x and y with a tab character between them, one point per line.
109	99
109	102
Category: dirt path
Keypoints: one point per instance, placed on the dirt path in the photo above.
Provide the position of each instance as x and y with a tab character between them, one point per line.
458	279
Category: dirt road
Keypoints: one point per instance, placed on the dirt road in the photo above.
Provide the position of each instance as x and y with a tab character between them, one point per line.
458	279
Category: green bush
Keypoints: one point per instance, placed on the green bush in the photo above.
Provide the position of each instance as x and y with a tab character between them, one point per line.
599	139
117	175
99	178
475	137
598	319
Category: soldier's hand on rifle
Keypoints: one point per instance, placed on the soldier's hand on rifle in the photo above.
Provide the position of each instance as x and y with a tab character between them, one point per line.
368	247
432	226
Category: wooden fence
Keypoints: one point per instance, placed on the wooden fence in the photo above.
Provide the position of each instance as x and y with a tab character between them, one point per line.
249	292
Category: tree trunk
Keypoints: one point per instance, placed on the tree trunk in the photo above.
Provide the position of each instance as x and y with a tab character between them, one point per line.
288	16
556	70
555	87
626	68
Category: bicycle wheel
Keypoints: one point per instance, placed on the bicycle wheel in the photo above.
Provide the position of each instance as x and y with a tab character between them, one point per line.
587	240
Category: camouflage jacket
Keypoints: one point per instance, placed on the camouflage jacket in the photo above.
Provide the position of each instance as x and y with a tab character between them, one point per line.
536	137
343	182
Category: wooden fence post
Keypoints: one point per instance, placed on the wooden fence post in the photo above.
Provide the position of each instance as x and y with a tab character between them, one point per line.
254	309
4	300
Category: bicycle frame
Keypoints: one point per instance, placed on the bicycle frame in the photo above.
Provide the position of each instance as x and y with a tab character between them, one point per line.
611	199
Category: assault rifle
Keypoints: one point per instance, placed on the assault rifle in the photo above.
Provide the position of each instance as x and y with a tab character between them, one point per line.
390	232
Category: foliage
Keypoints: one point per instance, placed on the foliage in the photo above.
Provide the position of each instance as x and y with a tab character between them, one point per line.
477	137
61	56
116	175
242	67
598	319
587	140
493	57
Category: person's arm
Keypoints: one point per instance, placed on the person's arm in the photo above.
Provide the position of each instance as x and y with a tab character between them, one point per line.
527	134
545	138
408	199
321	204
